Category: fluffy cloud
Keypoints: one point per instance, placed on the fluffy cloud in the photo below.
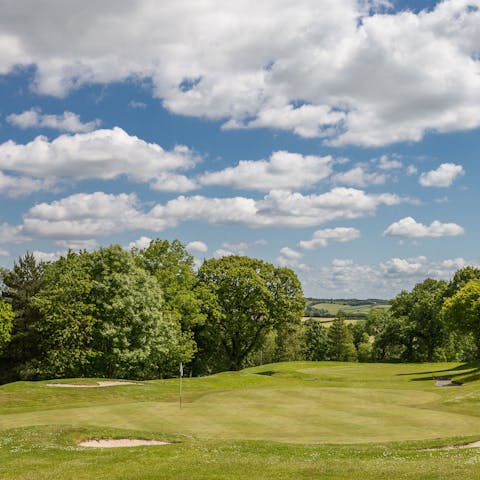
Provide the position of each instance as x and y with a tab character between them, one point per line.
11	234
274	173
322	238
358	177
17	186
443	176
197	247
385	163
239	248
279	208
408	227
67	122
291	254
308	121
333	69
46	256
104	154
291	258
345	278
141	243
85	216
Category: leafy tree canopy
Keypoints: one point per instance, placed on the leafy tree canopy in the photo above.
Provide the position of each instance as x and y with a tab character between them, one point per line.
6	323
462	311
243	299
172	266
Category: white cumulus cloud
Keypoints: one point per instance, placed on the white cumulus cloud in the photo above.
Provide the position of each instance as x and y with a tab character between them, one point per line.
101	154
279	208
197	246
408	227
141	243
322	238
386	163
326	68
14	186
359	177
291	258
443	176
283	170
81	216
66	122
85	216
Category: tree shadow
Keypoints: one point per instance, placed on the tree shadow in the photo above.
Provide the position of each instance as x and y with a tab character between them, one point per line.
267	373
465	373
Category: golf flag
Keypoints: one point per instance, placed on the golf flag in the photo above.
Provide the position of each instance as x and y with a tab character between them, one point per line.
181	379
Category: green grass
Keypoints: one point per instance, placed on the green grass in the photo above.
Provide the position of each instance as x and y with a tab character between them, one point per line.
349	310
290	420
328	321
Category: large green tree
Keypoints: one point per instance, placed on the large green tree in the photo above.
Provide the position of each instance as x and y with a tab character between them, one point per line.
68	320
134	338
421	309
96	314
462	311
243	299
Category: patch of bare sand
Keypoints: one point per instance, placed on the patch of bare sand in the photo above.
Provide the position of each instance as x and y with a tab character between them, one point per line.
453	447
106	383
120	442
447	383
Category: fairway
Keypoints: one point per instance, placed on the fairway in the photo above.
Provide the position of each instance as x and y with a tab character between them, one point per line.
302	405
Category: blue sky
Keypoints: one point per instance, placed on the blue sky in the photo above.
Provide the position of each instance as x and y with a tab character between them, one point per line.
337	138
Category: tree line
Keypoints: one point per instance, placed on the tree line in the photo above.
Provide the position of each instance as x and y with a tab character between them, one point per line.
137	314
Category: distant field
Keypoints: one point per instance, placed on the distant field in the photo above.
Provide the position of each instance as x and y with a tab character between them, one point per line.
281	421
327	321
315	308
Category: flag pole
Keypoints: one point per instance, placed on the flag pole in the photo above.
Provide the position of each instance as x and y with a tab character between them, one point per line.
181	379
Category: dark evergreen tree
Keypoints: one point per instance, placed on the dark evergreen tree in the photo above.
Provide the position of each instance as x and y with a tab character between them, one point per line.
340	341
315	341
20	285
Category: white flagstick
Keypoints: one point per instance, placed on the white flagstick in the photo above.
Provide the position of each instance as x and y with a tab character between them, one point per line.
181	378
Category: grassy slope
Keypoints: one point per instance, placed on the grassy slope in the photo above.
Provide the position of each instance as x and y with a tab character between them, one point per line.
265	420
362	310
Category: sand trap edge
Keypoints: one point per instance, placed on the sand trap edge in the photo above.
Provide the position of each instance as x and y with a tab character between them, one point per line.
452	447
447	383
120	442
99	384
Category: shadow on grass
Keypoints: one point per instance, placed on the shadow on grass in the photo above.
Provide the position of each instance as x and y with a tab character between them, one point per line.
268	373
465	373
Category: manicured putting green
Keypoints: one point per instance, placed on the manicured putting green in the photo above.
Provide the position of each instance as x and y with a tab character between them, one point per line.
294	403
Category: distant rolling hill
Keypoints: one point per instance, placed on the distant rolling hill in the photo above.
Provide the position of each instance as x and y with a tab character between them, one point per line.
352	308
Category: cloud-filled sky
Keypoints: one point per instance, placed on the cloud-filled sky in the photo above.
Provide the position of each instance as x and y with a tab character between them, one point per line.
340	139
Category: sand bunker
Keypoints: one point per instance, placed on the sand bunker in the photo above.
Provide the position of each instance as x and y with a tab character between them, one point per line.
121	442
453	447
95	385
447	383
